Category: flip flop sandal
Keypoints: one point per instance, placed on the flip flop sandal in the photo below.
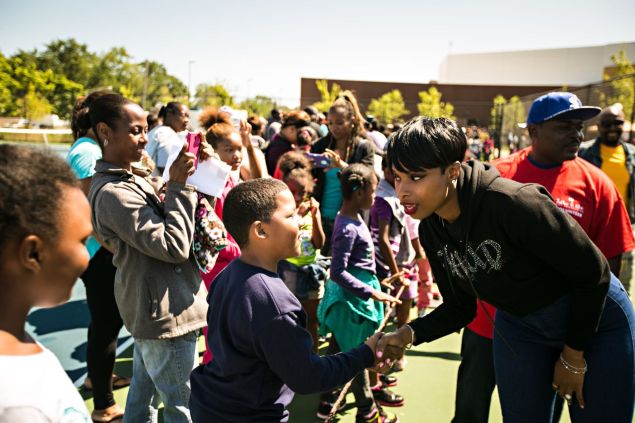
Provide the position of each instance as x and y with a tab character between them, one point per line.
119	382
100	417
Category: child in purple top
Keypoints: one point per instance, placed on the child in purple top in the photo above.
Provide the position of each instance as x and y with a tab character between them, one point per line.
352	307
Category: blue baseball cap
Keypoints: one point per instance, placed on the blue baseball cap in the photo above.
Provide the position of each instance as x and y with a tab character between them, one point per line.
561	105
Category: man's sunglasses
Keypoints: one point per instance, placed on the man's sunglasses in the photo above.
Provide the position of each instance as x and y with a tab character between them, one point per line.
609	123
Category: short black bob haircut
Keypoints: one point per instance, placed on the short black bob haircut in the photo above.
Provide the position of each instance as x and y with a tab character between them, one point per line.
248	202
424	143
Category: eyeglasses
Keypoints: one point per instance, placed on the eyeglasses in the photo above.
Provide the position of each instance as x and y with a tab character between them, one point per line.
613	122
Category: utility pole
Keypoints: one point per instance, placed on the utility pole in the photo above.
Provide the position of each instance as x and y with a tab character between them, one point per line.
189	81
145	84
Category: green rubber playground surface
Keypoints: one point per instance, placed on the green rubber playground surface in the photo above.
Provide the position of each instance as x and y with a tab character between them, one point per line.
428	384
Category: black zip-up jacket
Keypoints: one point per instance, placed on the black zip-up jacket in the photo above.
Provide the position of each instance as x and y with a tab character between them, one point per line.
514	248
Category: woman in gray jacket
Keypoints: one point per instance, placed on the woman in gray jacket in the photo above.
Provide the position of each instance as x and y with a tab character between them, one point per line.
158	287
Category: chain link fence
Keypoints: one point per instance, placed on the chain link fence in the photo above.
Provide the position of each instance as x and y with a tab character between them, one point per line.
510	134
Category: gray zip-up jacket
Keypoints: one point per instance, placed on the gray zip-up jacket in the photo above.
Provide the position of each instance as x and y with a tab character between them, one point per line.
158	288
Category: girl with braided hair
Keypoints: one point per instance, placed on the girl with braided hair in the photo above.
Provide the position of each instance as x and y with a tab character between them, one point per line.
353	305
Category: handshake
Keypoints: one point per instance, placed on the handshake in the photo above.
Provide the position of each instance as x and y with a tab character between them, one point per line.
390	347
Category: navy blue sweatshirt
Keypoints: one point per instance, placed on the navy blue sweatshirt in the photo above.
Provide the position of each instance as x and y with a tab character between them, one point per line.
262	353
517	250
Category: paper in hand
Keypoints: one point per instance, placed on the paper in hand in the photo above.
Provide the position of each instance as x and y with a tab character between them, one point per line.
210	175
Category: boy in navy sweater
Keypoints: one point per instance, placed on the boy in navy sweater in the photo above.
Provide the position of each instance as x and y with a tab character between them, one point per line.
262	352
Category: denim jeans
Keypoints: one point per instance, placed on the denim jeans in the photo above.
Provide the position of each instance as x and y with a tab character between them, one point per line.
161	372
526	349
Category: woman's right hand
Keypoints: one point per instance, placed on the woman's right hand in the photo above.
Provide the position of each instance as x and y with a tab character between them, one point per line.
183	166
379	295
336	160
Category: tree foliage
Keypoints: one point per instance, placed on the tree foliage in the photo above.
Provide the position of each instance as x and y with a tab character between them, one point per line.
389	108
430	105
328	96
622	87
35	82
514	113
215	95
496	112
259	105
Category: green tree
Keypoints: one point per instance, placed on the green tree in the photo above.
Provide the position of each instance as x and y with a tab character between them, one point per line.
115	71
514	113
68	58
212	95
496	112
430	105
63	95
32	82
328	96
622	87
259	105
8	85
161	87
388	108
32	87
33	105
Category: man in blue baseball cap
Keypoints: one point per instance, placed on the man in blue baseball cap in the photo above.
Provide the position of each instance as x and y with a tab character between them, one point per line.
555	123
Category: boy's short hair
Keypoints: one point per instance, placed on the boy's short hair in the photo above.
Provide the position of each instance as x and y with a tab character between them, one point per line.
425	143
32	184
248	202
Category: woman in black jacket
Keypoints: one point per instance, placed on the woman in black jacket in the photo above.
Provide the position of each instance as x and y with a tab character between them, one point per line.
561	311
345	144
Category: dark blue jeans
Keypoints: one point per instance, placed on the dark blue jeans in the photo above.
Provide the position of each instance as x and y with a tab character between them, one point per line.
524	375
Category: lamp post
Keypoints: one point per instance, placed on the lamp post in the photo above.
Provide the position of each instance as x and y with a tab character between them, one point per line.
189	81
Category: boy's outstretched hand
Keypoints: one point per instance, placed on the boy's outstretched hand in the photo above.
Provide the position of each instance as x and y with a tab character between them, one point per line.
391	348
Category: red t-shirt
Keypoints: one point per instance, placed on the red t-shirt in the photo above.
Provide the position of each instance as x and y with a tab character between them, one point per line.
583	191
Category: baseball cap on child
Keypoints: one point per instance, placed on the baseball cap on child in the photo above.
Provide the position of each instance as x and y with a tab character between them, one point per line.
561	105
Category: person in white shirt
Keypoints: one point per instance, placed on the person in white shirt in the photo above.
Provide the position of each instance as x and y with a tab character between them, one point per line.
164	139
44	223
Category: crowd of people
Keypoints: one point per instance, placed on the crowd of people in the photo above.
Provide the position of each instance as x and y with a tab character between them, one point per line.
324	226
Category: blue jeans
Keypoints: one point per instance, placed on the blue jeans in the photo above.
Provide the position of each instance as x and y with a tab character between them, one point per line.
526	349
161	372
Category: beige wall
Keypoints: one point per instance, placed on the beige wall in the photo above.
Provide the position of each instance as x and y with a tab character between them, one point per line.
565	66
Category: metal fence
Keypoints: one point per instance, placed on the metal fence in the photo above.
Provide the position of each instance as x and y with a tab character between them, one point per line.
509	135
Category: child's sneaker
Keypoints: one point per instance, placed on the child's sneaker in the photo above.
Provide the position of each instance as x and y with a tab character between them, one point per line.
385	396
324	409
388	380
377	415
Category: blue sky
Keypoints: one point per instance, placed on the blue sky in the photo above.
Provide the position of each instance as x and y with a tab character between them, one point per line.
264	47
